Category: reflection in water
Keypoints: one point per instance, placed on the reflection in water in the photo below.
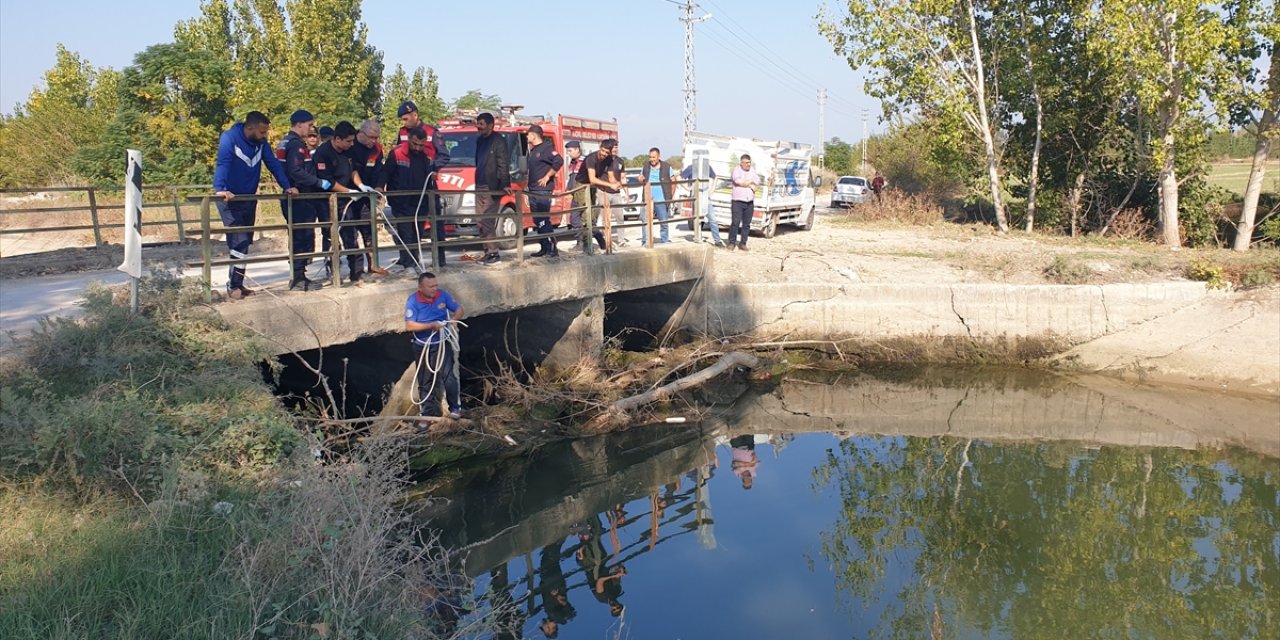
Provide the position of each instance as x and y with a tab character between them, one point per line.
1030	540
893	536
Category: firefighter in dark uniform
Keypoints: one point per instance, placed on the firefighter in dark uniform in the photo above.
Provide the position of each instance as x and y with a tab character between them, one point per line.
544	163
301	170
366	157
410	118
408	169
333	164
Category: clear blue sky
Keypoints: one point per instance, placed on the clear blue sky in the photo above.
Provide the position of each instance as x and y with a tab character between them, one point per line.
759	62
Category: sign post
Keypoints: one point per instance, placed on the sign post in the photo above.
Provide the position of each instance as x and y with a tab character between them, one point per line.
132	264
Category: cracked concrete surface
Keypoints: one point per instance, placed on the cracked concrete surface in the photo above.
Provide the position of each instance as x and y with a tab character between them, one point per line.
967	328
1229	341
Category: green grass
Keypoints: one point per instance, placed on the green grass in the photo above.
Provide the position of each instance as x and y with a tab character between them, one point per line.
103	569
1232	176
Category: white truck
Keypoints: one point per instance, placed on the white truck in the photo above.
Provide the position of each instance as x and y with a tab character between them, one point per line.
786	191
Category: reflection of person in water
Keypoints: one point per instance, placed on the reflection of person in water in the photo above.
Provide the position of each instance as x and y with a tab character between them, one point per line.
745	460
555	593
605	582
509	620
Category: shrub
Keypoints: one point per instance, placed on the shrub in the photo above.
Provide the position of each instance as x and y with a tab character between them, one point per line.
119	400
1257	278
1068	270
1208	272
901	208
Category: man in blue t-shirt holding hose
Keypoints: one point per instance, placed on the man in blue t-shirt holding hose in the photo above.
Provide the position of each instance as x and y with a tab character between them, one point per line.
432	315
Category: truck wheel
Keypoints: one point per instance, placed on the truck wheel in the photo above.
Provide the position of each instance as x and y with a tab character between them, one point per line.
808	223
508	227
770	228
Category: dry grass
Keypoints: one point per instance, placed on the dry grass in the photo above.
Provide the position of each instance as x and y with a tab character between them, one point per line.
898	208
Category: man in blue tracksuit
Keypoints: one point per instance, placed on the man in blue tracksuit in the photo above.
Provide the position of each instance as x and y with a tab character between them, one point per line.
242	150
301	169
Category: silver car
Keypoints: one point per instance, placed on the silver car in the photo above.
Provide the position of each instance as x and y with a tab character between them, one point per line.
850	190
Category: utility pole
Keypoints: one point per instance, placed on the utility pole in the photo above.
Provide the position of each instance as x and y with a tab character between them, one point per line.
822	128
863	172
690	84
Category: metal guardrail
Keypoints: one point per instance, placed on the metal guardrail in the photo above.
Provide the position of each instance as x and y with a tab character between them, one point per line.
208	232
157	197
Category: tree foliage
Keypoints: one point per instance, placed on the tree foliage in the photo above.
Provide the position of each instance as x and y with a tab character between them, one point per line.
177	97
839	156
476	100
39	141
422	87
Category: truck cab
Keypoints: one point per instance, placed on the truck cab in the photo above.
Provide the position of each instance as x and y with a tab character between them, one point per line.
456	179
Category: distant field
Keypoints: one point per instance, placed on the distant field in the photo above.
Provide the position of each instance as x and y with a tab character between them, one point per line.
1233	175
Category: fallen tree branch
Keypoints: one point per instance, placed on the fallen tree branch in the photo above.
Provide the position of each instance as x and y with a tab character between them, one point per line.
727	362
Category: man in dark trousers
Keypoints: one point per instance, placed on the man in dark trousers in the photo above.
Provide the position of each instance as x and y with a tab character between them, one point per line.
409	118
333	164
602	174
429	314
544	164
573	151
367	156
657	174
408	169
493	173
242	150
300	168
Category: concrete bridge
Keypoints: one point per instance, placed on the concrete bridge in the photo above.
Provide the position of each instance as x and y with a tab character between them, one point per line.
558	306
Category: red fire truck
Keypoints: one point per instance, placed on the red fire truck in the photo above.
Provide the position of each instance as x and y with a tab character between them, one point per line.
459	136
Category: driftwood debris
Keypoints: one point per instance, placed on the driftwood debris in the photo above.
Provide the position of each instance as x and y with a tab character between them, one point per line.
617	411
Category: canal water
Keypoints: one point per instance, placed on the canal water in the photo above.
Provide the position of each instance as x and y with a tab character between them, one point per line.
948	506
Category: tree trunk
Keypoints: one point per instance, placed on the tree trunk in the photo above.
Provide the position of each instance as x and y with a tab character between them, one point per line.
1168	185
1035	163
984	123
1253	190
1261	152
1073	203
1169	112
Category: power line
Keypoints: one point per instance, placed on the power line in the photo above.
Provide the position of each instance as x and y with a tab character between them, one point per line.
775	56
782	80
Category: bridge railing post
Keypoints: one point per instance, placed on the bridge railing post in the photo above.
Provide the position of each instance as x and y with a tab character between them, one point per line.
606	212
374	216
206	250
648	214
697	211
588	222
335	240
288	229
437	231
522	205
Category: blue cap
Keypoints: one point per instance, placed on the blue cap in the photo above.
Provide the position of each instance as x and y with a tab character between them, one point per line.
300	116
572	143
406	107
325	131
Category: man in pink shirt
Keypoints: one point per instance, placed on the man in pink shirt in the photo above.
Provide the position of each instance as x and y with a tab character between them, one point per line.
742	203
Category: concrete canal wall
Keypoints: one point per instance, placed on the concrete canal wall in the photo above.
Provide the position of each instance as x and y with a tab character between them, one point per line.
1174	331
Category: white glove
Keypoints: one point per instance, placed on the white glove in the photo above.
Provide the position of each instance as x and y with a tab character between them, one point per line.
366	188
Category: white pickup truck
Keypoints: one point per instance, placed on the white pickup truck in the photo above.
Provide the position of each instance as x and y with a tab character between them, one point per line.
786	191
